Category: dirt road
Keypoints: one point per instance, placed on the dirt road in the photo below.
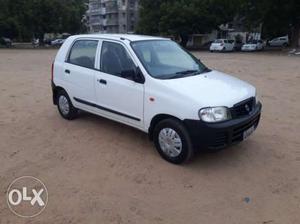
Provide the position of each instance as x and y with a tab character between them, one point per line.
99	171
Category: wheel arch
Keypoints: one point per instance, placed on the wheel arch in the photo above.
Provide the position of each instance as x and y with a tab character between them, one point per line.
55	90
156	119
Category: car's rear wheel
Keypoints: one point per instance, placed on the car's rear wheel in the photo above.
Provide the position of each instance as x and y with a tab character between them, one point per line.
172	141
65	106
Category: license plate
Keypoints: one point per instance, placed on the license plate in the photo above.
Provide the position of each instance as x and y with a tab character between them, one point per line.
248	132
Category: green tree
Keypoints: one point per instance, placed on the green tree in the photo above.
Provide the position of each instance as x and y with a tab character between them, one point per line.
23	19
149	17
184	17
278	17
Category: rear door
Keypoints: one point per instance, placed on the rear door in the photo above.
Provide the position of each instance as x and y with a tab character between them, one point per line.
79	71
118	97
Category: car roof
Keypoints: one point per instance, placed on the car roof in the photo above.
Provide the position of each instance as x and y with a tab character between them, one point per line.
130	37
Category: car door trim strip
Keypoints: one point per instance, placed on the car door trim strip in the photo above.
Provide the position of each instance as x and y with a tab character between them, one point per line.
106	109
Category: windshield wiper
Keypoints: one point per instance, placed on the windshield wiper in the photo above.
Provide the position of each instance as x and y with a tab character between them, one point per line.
205	70
186	72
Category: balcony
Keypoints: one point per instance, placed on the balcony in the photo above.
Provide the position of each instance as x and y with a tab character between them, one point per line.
99	11
112	22
99	22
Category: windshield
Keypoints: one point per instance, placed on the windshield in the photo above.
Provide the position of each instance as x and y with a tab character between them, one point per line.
165	59
252	42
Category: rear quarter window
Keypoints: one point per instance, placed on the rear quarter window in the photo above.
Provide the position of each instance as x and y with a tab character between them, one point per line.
83	53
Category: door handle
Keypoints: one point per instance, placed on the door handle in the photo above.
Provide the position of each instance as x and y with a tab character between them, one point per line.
67	71
102	81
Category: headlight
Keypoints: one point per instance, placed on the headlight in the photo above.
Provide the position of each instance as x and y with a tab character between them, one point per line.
214	114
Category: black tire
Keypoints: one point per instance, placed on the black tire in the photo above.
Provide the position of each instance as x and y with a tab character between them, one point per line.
187	150
285	45
72	112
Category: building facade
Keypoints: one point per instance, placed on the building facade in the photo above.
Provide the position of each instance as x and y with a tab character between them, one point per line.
112	16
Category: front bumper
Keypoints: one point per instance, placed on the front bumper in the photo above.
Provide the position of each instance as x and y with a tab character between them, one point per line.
222	134
248	49
216	48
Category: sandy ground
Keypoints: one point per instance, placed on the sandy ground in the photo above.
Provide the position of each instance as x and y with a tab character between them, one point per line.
99	171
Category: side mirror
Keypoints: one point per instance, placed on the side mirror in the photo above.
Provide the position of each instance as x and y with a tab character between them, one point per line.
138	76
127	74
135	75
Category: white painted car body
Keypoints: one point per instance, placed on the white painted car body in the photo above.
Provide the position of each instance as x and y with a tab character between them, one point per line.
255	45
222	45
57	42
181	98
279	41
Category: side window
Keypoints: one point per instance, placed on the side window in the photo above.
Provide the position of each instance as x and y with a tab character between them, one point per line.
114	59
83	53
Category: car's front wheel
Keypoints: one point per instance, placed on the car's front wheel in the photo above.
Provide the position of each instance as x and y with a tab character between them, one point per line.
65	106
172	141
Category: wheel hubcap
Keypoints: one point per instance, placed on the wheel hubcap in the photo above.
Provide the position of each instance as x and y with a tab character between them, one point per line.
64	105
170	142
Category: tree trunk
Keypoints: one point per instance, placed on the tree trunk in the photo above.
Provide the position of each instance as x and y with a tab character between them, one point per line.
295	36
41	39
184	39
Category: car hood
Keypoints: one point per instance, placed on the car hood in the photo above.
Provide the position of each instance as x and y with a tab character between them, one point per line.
211	89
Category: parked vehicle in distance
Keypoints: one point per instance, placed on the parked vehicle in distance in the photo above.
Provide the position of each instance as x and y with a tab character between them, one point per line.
238	46
222	45
57	42
253	45
279	42
152	84
5	42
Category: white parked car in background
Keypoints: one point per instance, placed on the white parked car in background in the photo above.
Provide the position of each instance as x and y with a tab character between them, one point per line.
154	85
254	45
57	42
279	42
222	45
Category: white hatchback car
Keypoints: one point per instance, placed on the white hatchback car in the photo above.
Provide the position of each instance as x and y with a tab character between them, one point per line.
154	85
222	45
279	42
254	45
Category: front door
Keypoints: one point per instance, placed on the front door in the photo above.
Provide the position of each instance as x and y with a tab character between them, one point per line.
118	97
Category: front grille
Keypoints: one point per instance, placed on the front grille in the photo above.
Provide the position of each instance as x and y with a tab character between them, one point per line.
234	135
237	134
243	108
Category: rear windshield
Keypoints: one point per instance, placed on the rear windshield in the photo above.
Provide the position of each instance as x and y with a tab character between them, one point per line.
218	41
